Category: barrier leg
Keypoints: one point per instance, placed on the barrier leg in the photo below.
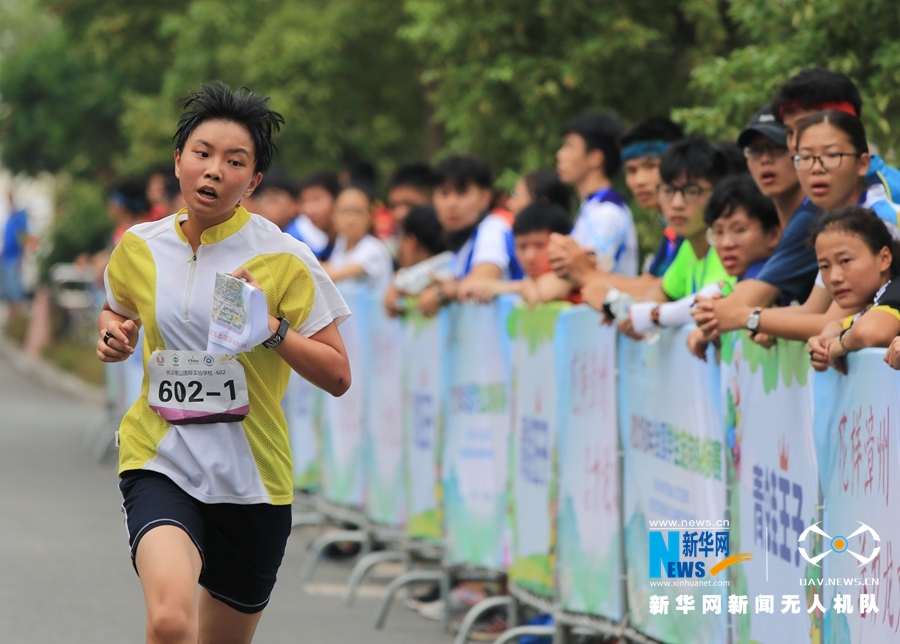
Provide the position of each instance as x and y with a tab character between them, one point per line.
318	546
514	634
364	565
406	579
477	611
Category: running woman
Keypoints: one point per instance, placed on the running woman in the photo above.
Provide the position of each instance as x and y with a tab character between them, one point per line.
205	463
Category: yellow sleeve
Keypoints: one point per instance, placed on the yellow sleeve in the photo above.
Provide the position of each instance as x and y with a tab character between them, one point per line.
118	294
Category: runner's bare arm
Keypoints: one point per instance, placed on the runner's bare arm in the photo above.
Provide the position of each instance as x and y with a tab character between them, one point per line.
321	359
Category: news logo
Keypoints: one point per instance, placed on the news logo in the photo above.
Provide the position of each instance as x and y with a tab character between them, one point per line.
691	554
838	544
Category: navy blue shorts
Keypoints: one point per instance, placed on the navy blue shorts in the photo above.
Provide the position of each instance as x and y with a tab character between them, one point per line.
241	546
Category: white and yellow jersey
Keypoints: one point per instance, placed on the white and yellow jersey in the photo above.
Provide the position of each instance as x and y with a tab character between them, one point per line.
154	275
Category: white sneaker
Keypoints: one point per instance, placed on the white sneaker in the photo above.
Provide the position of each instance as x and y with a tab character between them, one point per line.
433	610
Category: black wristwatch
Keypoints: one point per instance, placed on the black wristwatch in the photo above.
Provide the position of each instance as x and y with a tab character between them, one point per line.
753	322
279	336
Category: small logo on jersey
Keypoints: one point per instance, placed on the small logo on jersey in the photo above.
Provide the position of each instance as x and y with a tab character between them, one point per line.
193	360
175	359
160	360
209	361
225	358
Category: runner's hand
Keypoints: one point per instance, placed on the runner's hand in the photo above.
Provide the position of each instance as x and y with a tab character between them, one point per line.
121	345
243	274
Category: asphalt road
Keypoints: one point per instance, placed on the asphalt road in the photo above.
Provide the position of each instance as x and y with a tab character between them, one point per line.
65	574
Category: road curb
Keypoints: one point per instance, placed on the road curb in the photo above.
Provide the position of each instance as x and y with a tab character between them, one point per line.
48	374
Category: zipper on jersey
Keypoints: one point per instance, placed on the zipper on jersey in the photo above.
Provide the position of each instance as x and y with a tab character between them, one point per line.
187	295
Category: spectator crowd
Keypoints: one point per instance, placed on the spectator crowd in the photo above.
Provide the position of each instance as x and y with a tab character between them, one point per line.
788	232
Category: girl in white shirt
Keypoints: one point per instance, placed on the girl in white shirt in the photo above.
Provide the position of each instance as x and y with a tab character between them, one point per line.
358	256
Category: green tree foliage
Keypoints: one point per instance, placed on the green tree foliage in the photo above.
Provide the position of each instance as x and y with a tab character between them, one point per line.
346	85
857	38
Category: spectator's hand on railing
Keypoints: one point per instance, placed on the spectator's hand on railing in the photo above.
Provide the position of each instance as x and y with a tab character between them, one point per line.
818	351
392	302
478	290
697	344
704	314
570	261
431	300
531	293
837	355
117	340
627	327
764	340
892	355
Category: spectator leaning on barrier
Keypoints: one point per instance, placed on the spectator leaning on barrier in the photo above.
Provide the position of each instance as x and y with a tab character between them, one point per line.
423	257
410	186
588	161
859	259
744	229
689	172
15	234
481	242
317	194
831	163
791	271
816	89
358	256
210	503
642	149
540	186
531	232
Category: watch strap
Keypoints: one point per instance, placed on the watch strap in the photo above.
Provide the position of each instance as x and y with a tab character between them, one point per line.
280	334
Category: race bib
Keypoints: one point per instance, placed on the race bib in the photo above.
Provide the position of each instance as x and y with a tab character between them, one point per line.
195	387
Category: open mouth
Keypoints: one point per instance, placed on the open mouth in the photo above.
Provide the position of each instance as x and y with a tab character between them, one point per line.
207	194
767	177
819	188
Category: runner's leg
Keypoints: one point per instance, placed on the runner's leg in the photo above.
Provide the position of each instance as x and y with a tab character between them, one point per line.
169	566
221	624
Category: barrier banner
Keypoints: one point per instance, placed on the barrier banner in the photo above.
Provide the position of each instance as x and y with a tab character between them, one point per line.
343	465
589	551
423	420
533	478
476	442
302	406
674	490
382	427
767	397
856	427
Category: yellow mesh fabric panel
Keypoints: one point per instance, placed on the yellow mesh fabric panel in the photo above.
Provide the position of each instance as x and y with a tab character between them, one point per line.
133	279
290	292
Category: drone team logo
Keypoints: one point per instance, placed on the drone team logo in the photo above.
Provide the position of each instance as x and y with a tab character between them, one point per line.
839	544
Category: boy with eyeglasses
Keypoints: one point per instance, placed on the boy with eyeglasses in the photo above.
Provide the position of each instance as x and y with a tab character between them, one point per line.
791	271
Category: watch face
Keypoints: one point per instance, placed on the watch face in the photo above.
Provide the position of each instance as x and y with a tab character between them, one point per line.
753	321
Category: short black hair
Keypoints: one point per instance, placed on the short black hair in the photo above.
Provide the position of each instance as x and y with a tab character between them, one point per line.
418	176
741	191
538	217
324	179
600	131
544	186
737	162
131	195
422	224
461	171
812	88
361	172
694	158
217	101
652	129
849	125
863	223
278	179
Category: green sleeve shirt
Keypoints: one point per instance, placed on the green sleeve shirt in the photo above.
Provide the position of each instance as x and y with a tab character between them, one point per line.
688	274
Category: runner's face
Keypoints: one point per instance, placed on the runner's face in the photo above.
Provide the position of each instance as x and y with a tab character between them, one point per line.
216	169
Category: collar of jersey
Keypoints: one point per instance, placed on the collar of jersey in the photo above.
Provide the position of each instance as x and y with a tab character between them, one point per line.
218	232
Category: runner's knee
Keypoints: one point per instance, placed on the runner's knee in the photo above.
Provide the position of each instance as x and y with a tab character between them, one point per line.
171	622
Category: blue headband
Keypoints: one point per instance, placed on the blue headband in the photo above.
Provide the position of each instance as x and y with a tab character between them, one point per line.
644	149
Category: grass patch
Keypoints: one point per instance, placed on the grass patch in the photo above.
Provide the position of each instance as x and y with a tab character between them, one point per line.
77	359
